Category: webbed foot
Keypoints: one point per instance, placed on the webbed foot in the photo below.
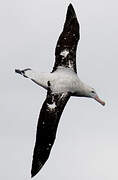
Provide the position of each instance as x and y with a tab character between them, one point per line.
22	72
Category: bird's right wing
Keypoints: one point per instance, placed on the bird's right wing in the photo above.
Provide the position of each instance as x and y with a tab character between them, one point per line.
65	53
47	126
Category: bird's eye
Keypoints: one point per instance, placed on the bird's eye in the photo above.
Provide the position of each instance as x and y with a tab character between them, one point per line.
93	91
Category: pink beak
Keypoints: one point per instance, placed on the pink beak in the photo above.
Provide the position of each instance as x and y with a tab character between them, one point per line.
99	100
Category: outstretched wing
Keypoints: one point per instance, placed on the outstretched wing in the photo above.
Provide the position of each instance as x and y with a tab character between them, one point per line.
47	126
67	43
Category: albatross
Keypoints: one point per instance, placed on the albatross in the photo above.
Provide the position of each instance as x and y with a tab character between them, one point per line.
62	83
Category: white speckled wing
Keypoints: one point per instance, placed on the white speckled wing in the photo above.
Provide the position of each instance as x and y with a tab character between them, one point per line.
67	43
48	121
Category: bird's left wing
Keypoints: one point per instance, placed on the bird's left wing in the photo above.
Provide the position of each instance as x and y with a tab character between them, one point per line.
47	126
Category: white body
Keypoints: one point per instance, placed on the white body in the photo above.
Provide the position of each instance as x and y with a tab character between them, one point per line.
62	80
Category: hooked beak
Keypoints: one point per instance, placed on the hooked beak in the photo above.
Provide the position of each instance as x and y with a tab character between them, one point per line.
99	100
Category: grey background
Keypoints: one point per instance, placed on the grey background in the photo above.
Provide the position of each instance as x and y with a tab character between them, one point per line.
86	146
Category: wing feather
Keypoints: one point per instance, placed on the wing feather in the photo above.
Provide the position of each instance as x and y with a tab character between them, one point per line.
46	129
65	52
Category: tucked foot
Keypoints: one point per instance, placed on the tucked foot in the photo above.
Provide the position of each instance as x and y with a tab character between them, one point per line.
22	72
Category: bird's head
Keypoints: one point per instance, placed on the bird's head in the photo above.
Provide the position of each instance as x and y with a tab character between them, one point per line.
92	94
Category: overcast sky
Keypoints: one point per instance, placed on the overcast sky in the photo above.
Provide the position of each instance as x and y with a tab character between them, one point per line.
86	146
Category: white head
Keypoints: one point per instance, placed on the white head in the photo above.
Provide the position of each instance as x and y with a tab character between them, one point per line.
92	94
86	91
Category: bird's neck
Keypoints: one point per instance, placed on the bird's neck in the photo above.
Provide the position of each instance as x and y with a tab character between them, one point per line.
82	90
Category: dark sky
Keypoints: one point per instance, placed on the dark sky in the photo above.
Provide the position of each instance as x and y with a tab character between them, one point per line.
86	146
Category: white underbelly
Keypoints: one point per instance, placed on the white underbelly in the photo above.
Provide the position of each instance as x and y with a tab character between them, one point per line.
64	81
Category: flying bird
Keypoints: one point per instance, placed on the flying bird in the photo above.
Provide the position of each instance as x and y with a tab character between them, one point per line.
62	83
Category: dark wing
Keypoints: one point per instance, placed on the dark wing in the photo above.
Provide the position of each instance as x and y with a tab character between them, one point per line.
67	43
47	126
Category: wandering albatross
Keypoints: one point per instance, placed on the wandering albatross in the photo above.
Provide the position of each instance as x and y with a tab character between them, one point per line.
61	84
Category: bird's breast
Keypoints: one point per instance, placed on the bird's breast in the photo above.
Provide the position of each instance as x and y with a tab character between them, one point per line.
64	82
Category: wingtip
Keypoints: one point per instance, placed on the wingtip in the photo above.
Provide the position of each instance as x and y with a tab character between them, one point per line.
36	167
32	175
70	6
70	12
